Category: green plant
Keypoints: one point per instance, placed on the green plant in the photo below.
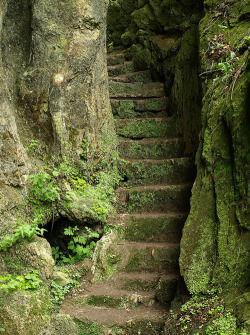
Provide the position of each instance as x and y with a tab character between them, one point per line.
23	231
88	328
28	281
2	330
32	146
80	246
84	149
44	188
58	292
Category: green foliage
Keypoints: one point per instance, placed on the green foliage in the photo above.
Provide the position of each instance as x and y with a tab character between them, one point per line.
28	281
23	231
225	325
88	328
58	292
84	149
44	188
80	246
206	313
31	148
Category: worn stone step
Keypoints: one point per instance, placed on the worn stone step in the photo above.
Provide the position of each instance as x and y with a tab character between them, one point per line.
136	90
151	148
115	58
149	227
147	257
133	77
119	69
146	128
104	320
164	286
133	108
154	198
107	294
153	171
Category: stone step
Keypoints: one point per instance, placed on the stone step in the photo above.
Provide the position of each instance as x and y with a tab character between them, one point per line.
136	90
147	257
133	77
132	108
151	148
115	58
149	227
108	295
119	69
146	128
153	171
154	198
164	286
104	320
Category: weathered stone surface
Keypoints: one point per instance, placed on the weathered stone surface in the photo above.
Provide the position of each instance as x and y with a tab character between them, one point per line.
157	171
53	98
60	278
22	312
152	148
136	90
216	235
146	128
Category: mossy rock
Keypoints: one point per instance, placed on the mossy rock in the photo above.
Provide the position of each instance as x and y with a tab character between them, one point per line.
152	149
146	128
169	171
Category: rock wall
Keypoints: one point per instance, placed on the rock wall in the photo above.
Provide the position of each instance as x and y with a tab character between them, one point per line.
55	121
54	95
215	243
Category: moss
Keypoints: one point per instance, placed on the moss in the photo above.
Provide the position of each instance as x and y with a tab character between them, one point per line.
152	150
106	301
160	260
169	171
153	128
169	198
24	312
89	328
220	195
160	228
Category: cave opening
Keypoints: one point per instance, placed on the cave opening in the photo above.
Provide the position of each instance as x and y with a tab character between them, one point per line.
72	241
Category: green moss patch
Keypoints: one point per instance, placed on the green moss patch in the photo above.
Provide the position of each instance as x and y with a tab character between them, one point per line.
156	172
153	259
160	199
135	90
161	228
148	128
153	149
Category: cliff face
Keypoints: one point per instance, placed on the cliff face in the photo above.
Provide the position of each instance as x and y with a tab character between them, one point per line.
54	95
215	243
55	124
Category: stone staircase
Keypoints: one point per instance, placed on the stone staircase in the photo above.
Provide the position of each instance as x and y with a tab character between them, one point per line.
138	260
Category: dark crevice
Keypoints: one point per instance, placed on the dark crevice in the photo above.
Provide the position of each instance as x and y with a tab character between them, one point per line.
56	237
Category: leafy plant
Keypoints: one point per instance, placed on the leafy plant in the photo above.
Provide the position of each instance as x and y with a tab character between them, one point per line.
23	231
44	188
80	246
84	149
28	281
32	146
58	292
